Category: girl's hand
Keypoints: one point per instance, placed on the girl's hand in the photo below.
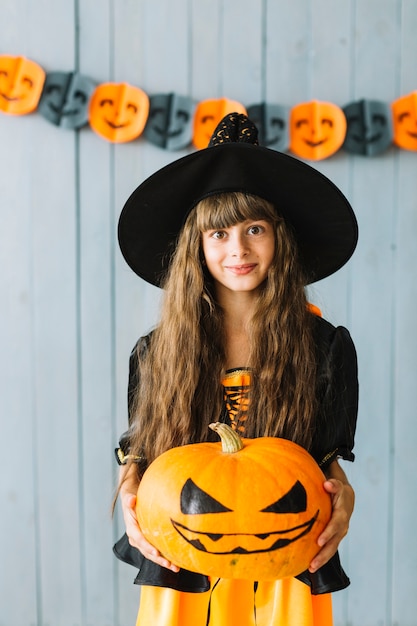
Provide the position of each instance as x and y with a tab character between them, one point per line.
343	499
136	537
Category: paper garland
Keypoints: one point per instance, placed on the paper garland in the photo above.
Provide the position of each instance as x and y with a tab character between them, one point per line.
120	113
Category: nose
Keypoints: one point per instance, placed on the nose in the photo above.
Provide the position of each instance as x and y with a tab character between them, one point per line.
238	245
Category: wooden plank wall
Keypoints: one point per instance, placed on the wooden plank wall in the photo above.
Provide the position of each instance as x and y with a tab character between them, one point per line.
72	310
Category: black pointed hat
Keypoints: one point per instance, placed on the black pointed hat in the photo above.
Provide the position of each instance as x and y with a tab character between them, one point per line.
321	218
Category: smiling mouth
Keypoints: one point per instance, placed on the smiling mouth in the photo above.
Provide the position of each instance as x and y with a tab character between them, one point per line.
241	269
315	144
173	133
115	126
371	139
8	98
243	543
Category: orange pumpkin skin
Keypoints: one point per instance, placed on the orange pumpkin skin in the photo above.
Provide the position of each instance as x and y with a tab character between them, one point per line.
404	111
208	114
21	83
118	111
248	534
317	129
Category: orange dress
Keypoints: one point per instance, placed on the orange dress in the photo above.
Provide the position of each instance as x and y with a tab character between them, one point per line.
286	602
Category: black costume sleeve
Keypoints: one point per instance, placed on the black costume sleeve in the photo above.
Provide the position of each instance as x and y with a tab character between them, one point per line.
337	395
336	424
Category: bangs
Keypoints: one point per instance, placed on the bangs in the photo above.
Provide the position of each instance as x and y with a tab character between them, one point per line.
227	209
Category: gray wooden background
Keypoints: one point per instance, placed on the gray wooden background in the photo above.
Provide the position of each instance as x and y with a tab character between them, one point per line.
71	309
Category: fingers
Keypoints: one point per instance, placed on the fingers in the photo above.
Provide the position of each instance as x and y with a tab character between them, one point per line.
137	538
337	528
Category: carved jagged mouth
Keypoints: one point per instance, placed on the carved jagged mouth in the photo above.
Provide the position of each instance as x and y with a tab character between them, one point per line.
235	543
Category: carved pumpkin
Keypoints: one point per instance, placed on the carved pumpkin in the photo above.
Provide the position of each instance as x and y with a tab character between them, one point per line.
21	82
118	111
244	508
317	129
404	111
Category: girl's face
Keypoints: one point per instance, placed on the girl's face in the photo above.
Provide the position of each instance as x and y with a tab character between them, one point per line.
239	257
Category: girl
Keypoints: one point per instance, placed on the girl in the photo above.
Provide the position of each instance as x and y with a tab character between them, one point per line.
234	233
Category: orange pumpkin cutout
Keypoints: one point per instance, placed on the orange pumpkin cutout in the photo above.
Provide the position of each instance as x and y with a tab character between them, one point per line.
21	83
317	129
208	114
118	111
246	508
404	112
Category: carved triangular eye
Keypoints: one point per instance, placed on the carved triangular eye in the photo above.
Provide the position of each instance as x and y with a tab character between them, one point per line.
295	501
194	501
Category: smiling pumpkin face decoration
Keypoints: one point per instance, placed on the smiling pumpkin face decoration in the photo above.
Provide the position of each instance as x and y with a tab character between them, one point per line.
118	111
208	114
317	129
65	98
404	111
170	120
271	121
249	509
369	127
21	82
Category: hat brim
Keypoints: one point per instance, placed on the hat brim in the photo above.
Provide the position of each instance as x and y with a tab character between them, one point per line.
322	220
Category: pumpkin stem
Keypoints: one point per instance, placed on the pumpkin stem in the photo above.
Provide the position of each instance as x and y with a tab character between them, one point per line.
231	442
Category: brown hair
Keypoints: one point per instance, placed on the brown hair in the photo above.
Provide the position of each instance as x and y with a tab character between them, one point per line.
180	392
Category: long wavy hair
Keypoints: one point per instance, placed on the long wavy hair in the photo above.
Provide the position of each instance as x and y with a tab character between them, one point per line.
179	391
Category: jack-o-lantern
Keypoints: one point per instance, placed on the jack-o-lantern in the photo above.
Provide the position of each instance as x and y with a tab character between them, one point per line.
244	508
118	111
317	129
404	112
65	98
271	121
170	121
21	82
369	127
208	114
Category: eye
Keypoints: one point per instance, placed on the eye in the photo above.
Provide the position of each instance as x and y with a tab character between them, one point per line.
3	73
327	122
256	229
79	95
218	234
379	119
105	102
300	123
155	112
194	501
206	118
402	116
28	81
52	88
295	501
183	115
133	107
276	121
